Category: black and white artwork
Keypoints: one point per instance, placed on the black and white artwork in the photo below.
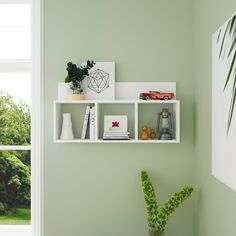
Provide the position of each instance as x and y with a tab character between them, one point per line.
100	84
98	81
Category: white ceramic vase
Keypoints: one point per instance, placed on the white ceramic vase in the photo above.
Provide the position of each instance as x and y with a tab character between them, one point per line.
67	131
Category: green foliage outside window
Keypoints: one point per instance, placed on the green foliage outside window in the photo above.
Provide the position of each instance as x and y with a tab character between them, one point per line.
14	165
14	121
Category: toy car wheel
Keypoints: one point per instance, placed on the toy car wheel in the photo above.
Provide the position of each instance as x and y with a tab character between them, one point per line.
165	98
147	97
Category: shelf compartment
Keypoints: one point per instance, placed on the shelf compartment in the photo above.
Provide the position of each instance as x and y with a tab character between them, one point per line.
116	109
77	111
148	115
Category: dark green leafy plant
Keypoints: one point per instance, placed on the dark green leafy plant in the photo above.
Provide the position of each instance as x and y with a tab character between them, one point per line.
14	181
76	75
157	219
228	49
3	208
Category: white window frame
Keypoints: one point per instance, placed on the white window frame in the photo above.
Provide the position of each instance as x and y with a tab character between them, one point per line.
36	228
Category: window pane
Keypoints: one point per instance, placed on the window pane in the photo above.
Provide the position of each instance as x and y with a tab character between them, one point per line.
15	188
15	109
17	85
15	31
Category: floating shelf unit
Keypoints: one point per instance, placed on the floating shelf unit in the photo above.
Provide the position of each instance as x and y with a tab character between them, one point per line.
139	113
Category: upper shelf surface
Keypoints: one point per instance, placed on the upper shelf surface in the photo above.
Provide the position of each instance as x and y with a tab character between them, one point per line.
131	90
118	102
127	91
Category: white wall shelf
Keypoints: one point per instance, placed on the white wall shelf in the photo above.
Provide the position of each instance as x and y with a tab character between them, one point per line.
139	113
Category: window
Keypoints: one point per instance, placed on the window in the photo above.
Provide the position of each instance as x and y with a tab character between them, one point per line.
20	122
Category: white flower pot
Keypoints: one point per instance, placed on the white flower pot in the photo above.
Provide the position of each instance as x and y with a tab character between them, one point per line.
74	97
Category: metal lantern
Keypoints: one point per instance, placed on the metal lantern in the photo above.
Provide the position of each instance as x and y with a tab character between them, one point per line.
165	125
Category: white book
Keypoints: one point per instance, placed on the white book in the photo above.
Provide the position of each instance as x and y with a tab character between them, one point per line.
116	138
85	125
92	123
115	135
118	133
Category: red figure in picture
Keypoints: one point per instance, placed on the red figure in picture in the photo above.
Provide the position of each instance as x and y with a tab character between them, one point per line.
115	124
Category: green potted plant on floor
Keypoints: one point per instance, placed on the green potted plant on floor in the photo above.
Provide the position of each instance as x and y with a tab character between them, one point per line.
75	76
158	218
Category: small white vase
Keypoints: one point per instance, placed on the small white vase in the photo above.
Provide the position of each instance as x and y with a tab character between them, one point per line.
67	131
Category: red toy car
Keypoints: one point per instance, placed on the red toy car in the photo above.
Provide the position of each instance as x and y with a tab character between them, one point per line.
156	95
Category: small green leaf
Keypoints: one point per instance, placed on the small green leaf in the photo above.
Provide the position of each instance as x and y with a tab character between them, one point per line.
67	79
232	24
232	104
232	45
223	40
218	37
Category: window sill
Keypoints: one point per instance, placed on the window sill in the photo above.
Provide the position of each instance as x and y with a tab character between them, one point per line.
13	230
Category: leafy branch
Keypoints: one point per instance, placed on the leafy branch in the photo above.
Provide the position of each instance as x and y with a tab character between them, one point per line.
157	220
77	74
230	51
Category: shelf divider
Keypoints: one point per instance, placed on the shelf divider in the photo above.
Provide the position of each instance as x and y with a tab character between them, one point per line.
136	120
96	120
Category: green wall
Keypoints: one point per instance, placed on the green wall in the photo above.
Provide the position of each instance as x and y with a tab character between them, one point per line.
94	189
215	204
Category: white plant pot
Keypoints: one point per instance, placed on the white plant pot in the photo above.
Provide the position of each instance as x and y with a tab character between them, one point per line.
67	131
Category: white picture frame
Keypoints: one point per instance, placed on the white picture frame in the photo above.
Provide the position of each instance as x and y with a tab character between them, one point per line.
223	107
115	123
100	84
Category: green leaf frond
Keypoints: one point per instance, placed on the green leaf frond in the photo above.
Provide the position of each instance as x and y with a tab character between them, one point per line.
157	220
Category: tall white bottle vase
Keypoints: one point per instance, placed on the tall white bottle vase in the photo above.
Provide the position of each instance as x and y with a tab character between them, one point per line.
67	131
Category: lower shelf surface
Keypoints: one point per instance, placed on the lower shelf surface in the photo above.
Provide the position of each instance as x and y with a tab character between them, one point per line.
115	141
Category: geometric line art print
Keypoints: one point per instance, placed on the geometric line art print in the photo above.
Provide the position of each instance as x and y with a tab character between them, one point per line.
98	81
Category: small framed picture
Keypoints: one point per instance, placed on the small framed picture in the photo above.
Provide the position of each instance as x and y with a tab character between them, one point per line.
115	123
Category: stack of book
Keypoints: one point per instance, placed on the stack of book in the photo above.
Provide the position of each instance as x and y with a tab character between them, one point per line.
116	135
89	120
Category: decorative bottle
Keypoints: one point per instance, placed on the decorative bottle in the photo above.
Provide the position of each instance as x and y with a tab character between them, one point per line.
144	133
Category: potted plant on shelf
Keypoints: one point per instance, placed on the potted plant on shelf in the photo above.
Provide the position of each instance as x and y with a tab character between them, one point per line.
75	76
158	218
